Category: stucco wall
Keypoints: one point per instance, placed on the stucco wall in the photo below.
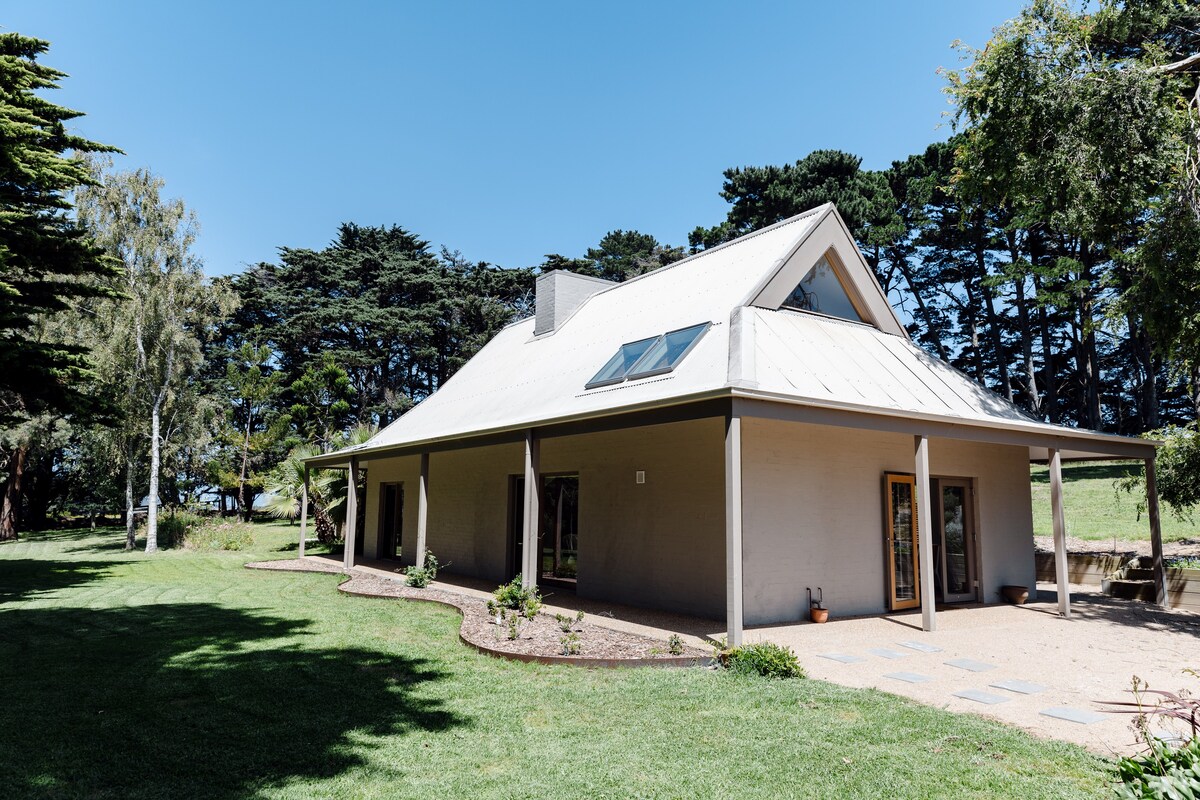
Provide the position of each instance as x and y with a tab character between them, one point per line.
468	506
407	471
660	544
813	498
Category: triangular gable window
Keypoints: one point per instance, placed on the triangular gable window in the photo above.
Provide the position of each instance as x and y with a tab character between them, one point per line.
821	290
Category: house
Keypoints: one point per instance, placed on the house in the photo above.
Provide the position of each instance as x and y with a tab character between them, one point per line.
716	437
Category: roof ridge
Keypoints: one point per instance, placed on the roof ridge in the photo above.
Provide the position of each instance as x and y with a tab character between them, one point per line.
721	246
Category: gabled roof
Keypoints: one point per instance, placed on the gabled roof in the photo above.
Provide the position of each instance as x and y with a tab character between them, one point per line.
752	349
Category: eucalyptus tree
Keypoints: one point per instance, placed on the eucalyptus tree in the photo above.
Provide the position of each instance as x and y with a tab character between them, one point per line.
156	328
1077	138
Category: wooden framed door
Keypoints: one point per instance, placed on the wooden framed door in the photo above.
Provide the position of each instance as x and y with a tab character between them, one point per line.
900	533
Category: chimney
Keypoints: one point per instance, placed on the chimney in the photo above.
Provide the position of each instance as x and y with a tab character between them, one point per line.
558	293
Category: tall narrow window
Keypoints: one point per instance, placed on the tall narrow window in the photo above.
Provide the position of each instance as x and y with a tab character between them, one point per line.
821	290
559	533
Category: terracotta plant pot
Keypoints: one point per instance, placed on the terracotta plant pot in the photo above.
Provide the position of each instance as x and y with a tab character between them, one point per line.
1017	595
818	615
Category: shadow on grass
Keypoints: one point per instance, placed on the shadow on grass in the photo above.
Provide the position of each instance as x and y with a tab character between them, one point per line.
22	578
1082	472
191	700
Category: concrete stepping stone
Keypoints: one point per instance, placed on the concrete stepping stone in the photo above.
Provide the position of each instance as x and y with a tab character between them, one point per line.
1169	737
908	677
886	652
922	647
842	658
1020	687
981	697
970	664
1072	714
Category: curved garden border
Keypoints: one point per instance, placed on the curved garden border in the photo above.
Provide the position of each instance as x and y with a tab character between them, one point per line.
346	587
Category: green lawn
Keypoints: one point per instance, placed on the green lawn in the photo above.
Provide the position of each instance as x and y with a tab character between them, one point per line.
1093	509
183	675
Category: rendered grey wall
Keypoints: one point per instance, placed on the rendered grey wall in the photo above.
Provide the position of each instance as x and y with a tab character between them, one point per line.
660	544
814	514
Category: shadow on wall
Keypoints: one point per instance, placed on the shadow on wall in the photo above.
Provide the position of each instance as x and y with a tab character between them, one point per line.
190	700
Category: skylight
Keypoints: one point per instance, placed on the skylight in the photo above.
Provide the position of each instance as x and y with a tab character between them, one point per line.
619	365
821	290
657	355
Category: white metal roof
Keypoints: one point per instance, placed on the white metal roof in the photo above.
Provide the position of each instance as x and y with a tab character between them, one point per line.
519	380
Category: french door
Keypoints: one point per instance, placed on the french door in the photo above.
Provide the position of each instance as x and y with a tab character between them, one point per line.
954	539
953	531
901	532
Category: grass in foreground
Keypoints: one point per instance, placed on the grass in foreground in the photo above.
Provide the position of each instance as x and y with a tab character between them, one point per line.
183	675
1094	510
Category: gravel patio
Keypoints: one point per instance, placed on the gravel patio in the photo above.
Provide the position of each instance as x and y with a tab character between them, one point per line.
1076	662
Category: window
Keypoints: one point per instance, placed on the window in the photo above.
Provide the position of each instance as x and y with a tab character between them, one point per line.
667	352
645	357
619	365
821	290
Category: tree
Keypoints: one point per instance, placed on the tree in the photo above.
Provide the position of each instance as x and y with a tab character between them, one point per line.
47	263
1075	134
251	425
379	304
158	326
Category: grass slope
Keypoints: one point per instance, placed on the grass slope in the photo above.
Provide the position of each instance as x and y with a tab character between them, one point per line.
1093	508
183	675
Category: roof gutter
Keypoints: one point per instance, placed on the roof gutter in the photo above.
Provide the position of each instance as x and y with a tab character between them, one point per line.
1031	428
340	458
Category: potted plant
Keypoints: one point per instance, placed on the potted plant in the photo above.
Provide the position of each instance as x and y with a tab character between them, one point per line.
817	612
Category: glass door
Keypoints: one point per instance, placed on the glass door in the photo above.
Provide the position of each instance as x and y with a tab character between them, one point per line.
901	532
560	527
391	513
956	540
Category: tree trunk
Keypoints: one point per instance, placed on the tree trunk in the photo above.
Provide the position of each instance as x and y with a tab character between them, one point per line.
1031	390
130	528
993	323
1087	325
926	314
152	502
1051	375
10	515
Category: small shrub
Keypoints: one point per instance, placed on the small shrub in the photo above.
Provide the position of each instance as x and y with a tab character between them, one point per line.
1164	772
570	644
533	605
215	534
420	577
511	595
189	530
568	623
675	645
514	626
764	658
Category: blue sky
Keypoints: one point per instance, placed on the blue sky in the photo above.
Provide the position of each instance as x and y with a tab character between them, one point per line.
504	130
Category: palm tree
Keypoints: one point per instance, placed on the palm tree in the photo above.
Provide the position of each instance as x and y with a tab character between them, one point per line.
326	487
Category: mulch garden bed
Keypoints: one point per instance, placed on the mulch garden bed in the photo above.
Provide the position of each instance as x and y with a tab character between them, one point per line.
539	639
